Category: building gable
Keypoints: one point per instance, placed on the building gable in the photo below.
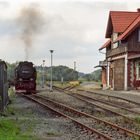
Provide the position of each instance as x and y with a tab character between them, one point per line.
119	21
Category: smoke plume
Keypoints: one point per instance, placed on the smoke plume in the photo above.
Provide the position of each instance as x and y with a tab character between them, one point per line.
30	21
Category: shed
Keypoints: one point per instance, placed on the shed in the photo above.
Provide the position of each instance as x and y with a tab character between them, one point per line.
4	99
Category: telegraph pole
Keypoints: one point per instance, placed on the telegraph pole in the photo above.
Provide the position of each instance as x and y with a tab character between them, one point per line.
74	65
51	86
74	70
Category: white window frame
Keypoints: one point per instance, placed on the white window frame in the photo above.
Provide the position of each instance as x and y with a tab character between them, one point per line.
138	70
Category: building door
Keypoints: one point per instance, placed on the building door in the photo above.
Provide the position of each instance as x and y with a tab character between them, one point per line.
104	82
119	72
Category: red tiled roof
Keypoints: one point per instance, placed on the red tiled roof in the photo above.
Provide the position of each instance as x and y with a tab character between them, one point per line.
106	45
130	29
120	20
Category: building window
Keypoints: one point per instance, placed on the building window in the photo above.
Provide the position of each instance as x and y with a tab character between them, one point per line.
138	70
139	35
114	37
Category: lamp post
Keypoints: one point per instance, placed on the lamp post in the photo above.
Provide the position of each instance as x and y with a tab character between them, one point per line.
43	73
51	86
74	70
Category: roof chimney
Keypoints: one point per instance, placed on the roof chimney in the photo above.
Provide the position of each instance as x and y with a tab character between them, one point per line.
138	10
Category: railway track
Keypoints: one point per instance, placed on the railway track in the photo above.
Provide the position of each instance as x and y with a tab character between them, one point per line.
82	98
127	122
103	129
93	132
109	103
110	96
69	87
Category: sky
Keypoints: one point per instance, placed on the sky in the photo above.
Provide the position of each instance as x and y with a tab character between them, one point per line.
74	29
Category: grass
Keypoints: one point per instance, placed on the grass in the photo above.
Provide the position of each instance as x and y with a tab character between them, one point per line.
11	91
6	127
19	128
10	130
11	94
137	119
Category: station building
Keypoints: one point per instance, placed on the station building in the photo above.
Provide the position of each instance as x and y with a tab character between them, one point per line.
121	67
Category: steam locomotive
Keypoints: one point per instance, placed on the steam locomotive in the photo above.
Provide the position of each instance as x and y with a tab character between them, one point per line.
25	77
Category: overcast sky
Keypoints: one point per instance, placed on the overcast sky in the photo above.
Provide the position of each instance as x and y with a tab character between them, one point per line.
75	29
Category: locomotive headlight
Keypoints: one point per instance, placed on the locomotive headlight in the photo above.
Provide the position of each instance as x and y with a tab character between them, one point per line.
31	79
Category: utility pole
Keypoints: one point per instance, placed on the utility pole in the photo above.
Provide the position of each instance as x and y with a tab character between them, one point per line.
74	70
51	84
43	73
74	65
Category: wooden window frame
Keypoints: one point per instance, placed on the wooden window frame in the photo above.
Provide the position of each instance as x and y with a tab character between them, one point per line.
114	37
139	35
138	70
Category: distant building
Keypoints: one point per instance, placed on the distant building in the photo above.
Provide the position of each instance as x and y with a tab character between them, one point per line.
121	67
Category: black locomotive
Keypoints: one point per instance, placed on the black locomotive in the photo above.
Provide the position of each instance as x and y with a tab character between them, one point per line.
25	77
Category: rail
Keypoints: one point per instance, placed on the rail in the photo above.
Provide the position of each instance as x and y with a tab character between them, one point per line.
114	126
83	126
110	96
